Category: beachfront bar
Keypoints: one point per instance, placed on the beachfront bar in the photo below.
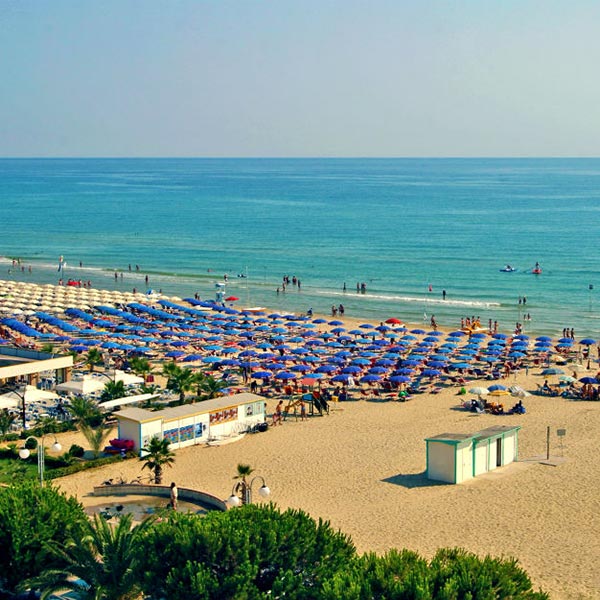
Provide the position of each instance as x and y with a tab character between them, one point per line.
457	457
210	422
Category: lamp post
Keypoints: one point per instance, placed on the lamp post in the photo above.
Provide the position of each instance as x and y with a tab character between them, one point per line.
24	453
242	491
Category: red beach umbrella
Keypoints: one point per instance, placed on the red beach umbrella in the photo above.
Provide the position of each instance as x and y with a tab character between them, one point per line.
394	321
231	298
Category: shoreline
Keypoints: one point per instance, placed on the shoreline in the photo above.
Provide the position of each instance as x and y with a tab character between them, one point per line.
369	307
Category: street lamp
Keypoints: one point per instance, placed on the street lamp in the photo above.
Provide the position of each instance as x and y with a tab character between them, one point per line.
242	492
24	453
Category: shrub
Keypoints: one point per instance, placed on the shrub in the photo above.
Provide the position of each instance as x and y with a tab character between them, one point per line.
76	451
31	444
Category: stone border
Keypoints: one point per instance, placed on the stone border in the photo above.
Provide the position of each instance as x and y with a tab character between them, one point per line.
187	494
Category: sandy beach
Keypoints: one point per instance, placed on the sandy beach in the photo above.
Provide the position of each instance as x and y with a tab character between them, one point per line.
361	467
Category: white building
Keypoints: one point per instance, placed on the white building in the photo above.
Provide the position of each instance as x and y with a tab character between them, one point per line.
456	457
214	420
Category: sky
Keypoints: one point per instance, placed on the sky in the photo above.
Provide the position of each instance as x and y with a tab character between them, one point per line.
302	78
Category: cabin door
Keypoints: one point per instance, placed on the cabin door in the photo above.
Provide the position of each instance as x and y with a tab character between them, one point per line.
499	452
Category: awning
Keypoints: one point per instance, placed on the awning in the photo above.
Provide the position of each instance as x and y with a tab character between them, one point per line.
127	400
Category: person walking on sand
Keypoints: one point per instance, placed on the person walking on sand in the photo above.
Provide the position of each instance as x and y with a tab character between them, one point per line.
174	496
302	411
277	415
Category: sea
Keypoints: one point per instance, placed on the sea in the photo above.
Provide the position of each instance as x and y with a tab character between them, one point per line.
425	236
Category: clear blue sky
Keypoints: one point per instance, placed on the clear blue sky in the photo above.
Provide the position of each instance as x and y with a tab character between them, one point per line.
299	78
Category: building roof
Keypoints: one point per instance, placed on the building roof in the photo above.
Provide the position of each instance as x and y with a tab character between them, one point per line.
188	410
484	434
16	362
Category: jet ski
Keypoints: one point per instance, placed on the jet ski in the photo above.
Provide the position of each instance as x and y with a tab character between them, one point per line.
508	269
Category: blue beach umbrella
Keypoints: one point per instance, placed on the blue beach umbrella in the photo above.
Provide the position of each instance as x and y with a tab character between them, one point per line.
431	373
343	378
285	375
400	379
370	378
587	342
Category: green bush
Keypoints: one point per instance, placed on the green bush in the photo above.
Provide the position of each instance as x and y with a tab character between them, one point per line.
69	469
76	451
31	443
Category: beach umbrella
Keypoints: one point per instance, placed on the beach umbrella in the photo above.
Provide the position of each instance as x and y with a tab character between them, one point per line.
565	340
261	375
371	378
553	371
343	378
587	380
377	370
461	365
479	391
336	322
431	372
300	368
285	375
174	354
543	338
326	369
400	379
360	361
393	321
587	342
404	371
417	331
351	370
567	378
497	387
211	359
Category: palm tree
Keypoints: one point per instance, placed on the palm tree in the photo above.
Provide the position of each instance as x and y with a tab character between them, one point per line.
180	380
140	366
243	471
100	561
48	348
158	455
211	387
112	390
6	420
96	438
93	358
85	412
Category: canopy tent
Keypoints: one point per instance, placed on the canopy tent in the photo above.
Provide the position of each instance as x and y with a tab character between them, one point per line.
127	400
126	378
82	387
30	393
8	402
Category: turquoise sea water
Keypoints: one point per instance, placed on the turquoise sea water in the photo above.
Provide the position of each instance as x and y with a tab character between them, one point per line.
398	225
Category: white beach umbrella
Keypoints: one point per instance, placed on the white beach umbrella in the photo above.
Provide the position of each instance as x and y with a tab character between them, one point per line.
479	391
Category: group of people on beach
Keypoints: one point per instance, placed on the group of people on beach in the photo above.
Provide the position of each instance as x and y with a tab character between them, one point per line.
337	309
286	282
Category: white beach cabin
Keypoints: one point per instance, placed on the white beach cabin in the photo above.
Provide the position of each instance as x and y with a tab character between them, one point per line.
456	457
211	421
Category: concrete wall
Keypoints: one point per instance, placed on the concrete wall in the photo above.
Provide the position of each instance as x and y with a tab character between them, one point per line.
481	458
440	461
509	453
464	462
164	491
